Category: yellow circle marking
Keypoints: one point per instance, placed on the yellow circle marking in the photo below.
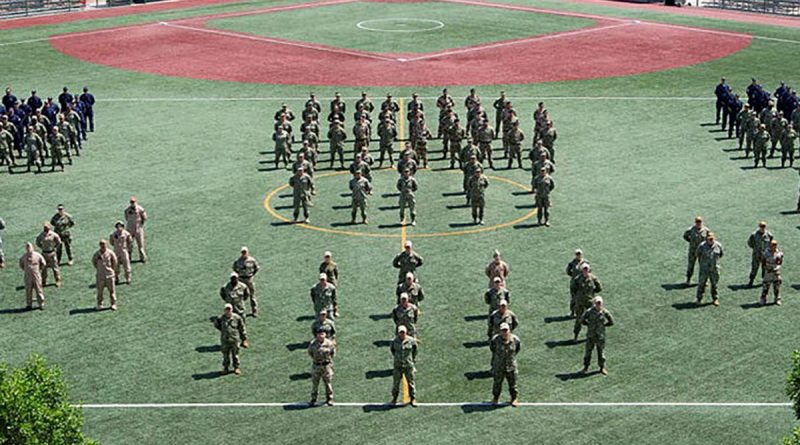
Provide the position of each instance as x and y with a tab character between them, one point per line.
276	215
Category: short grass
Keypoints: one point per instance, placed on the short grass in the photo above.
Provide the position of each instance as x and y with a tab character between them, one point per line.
463	25
631	176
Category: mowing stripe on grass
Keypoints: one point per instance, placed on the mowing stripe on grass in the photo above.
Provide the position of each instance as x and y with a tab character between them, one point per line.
446	404
283	99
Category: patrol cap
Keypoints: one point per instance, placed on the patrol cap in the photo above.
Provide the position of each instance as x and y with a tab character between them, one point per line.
119	224
503	303
133	199
60	206
504	326
698	219
409	275
409	243
323	312
496	253
404	296
46	225
402	328
773	243
578	252
586	266
322	276
711	235
762	224
228	307
597	300
496	280
244	249
327	254
234	274
103	242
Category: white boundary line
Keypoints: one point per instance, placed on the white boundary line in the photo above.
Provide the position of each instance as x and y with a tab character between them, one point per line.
77	34
449	404
722	33
300	99
532	9
279	42
437	25
226	15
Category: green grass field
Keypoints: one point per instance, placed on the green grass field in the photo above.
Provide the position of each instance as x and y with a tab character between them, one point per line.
632	173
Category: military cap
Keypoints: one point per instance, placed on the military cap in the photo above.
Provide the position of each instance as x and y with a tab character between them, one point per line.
504	327
322	276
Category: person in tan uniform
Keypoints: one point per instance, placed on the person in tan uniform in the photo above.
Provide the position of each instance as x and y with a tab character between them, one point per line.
497	268
48	241
122	241
247	267
105	262
32	263
135	216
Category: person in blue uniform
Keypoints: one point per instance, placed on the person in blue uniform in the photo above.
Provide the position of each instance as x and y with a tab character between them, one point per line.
722	91
9	100
65	98
87	99
734	106
34	101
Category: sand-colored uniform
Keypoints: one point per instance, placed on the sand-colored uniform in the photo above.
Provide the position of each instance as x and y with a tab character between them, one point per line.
105	264
135	218
49	241
122	242
33	264
497	270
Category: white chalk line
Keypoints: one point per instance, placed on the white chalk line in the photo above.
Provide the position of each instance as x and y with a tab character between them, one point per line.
517	42
436	25
280	42
721	33
226	15
77	34
444	404
303	99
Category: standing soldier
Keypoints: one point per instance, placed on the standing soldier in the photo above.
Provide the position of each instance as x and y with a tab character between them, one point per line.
282	144
330	269
540	163
744	124
760	141
542	186
88	101
787	145
515	138
235	293
362	167
58	147
422	134
302	162
361	188
454	136
773	259
495	294
323	296
122	241
63	223
485	135
322	351
105	263
536	154
34	147
758	242
407	261
232	334
695	236
406	314
472	100
32	263
497	268
470	167
326	325
246	267
387	133
499	105
411	288
337	136
337	102
574	268
476	190
361	132
6	147
313	102
505	347
365	102
48	241
407	185
135	216
584	287
502	315
750	136
549	137
596	319
404	351
302	186
721	91
709	252
776	131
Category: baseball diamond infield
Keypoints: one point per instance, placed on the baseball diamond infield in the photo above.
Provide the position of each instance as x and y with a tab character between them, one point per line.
611	47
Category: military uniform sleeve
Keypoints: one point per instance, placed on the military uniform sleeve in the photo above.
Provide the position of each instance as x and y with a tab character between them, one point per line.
396	261
222	293
751	242
94	259
598	287
514	323
333	297
218	323
419	259
609	319
518	346
421	294
687	235
414	351
585	318
721	252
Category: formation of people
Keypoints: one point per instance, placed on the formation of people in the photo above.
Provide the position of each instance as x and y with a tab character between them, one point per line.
469	146
36	132
766	123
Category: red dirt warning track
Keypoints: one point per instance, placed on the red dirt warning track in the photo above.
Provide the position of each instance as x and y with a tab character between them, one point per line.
612	47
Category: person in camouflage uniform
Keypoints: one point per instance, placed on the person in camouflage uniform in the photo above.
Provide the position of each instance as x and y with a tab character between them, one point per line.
361	132
776	128
539	164
536	153
329	268
543	184
232	334
321	350
404	351
411	288
63	223
236	294
406	314
584	286
323	297
34	147
360	165
574	268
502	315
787	145
744	124
549	136
760	141
758	242
476	190
407	261
407	162
596	319
495	294
360	188
387	133
485	136
514	136
302	162
337	136
694	235
470	167
454	135
282	150
505	347
772	261
2	254
246	267
407	186
302	186
325	324
709	252
49	241
750	136
497	268
58	147
7	148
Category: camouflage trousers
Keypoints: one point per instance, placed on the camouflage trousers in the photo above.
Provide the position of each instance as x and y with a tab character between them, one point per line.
691	260
248	281
591	345
478	203
410	373
300	203
581	305
755	264
33	285
411	204
325	373
66	244
230	354
510	375
542	209
771	279
51	262
707	275
359	205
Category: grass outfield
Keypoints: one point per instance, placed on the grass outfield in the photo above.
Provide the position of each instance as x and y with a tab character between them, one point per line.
631	176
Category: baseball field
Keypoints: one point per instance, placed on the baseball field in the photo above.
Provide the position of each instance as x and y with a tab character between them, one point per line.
186	93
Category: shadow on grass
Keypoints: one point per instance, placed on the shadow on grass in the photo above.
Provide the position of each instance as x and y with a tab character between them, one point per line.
282	223
284	207
285	195
457	206
469	408
528	226
378	407
19	288
558	319
790	212
575	375
708	124
207	375
385	208
464	224
342	207
476	317
345	195
378	317
730	150
390	226
297	346
342	224
16	310
521	193
390	195
378	374
738	287
752	306
475	344
526	206
448	194
478	375
300	376
723	138
306	318
689	305
297	406
83	310
382	343
557	343
677	286
796	286
210	348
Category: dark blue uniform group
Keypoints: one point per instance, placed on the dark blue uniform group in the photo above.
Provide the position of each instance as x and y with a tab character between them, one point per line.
728	105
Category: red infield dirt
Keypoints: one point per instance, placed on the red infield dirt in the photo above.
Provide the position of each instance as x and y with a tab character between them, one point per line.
612	47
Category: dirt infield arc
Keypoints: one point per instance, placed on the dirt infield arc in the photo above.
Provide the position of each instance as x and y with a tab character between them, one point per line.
611	47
